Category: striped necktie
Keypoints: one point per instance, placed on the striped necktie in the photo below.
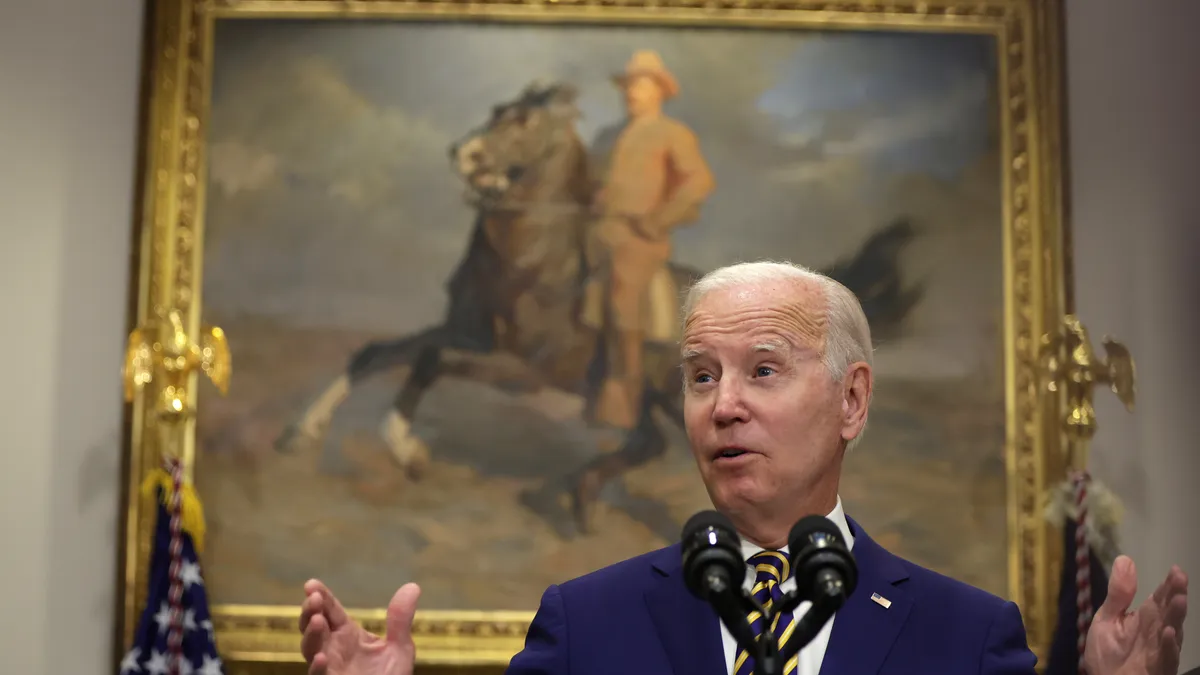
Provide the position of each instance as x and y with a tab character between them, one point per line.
771	569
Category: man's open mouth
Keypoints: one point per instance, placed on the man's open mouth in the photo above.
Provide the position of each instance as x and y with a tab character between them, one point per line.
728	453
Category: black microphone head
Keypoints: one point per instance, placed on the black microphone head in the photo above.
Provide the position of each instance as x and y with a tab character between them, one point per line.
813	529
705	520
711	546
818	550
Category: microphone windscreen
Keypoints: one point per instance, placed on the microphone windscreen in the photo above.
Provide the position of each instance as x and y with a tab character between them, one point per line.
711	550
817	549
808	526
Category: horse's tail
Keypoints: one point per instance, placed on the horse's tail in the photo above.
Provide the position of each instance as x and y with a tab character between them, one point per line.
875	275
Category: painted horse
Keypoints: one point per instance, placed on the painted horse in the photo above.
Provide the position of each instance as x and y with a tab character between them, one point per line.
514	312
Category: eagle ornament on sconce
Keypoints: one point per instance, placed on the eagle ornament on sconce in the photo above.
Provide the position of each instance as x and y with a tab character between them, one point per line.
1069	362
161	352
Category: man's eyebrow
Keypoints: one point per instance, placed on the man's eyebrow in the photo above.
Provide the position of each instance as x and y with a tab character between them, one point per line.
771	346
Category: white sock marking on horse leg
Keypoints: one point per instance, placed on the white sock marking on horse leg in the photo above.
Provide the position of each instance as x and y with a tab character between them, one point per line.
397	433
321	411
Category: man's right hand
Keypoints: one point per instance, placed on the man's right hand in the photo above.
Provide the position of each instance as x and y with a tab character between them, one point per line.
334	644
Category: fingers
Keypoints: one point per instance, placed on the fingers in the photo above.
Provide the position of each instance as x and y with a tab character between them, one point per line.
314	629
313	605
1174	584
1174	616
1169	601
1122	587
1169	651
400	613
316	636
320	665
333	610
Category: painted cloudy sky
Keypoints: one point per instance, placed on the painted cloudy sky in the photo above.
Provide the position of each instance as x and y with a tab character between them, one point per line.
332	202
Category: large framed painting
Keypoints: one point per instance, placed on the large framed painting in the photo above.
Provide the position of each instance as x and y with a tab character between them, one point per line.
447	242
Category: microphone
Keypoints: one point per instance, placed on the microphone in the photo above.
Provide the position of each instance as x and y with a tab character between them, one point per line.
825	574
712	555
824	569
714	571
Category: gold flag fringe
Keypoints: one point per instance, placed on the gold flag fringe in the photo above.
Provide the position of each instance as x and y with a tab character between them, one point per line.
1104	514
192	510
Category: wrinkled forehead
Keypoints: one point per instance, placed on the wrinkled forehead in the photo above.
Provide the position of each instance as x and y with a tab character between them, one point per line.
794	311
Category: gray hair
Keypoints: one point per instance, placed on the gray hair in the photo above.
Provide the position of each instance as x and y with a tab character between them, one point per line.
847	333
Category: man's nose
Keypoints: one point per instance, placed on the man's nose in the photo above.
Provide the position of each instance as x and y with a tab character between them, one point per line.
730	406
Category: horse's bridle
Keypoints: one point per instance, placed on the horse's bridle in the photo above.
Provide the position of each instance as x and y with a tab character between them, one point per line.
491	204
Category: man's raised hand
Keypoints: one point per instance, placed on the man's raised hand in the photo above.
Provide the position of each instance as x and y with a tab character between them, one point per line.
334	644
1142	642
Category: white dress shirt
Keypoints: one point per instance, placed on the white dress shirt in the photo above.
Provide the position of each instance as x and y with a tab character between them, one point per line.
814	652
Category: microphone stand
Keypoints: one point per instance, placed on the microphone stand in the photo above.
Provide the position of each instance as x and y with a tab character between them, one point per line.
732	607
807	626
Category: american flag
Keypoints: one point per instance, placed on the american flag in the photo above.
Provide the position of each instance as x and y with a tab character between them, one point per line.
175	633
1083	584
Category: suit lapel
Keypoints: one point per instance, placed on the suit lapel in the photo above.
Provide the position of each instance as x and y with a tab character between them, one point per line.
864	629
688	627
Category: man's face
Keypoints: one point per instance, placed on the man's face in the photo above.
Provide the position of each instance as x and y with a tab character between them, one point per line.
765	419
642	94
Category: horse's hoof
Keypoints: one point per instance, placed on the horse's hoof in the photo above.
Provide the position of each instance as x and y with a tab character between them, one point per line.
416	468
550	504
541	501
584	494
408	450
412	455
283	442
290	440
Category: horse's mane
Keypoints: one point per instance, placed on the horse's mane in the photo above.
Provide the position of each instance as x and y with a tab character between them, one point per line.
557	96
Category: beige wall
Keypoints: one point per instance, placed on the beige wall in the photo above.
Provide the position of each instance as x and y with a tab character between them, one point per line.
1134	93
68	98
69	75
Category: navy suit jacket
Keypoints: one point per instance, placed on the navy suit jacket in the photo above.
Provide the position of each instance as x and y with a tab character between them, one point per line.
637	617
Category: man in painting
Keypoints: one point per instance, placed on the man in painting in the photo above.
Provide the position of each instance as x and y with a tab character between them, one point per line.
656	180
777	384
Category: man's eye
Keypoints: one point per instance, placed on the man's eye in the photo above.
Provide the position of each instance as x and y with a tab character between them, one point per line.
764	371
702	378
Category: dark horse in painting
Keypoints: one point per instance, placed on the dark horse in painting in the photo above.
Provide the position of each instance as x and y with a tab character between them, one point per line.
513	317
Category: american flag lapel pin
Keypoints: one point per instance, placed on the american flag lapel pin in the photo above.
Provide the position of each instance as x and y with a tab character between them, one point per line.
881	601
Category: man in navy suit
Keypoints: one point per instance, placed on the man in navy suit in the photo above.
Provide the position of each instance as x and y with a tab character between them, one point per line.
777	384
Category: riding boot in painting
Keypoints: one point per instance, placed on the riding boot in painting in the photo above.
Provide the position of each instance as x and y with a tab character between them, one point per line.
621	393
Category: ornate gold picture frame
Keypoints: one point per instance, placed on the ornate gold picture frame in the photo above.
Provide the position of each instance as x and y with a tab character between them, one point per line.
1024	108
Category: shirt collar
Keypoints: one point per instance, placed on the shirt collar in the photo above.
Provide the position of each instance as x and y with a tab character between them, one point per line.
837	515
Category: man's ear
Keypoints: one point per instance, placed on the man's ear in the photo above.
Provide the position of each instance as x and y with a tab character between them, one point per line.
856	399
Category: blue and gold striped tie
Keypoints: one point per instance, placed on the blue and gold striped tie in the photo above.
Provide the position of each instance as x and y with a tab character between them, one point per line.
771	570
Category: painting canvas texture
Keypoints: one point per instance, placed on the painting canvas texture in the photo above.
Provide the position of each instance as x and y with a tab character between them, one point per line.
401	227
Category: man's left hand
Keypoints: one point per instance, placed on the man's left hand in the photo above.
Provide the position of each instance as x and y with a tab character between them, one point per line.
1141	642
